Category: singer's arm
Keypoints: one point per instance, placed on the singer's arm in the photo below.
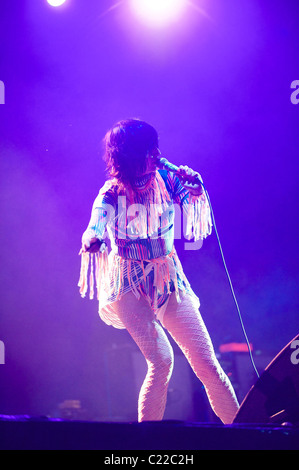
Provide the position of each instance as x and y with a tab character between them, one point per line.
182	190
195	207
93	236
188	177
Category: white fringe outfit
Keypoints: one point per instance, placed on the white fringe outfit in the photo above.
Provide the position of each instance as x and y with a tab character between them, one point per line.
141	285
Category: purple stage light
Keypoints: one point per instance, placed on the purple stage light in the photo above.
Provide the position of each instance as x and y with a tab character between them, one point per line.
56	3
158	13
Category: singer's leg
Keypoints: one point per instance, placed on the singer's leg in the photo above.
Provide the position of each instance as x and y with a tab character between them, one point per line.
185	324
148	334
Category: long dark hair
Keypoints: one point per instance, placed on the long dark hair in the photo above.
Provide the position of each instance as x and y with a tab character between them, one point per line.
127	145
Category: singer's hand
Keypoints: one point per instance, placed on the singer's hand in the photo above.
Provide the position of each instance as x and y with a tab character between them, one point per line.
92	246
185	175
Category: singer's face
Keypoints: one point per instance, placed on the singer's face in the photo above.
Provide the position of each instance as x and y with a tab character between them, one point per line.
151	161
144	177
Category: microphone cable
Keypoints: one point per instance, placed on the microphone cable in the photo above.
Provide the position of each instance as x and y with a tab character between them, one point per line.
171	167
230	282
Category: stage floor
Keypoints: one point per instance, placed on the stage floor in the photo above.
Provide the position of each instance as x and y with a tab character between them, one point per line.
31	433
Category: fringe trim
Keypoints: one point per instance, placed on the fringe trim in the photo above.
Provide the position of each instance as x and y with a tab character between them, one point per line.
94	267
153	202
109	278
199	222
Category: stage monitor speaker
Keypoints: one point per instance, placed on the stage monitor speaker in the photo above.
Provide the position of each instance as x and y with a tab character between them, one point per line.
274	399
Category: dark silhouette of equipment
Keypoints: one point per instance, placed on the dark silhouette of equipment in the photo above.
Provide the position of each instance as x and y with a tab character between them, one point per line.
274	399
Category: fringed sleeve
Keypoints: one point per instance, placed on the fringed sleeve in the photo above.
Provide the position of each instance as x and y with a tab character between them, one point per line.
93	272
196	211
198	217
94	265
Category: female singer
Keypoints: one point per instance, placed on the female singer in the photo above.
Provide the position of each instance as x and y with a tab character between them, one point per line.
141	285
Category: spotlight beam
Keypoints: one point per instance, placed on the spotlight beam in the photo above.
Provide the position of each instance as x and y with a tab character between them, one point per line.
158	13
198	9
113	7
56	3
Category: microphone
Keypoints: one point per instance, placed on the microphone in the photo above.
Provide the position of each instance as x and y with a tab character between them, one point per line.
166	165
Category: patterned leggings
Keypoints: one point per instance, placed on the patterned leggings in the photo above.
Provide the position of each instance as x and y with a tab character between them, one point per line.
184	323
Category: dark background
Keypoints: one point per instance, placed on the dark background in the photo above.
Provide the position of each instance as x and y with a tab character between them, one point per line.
217	87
